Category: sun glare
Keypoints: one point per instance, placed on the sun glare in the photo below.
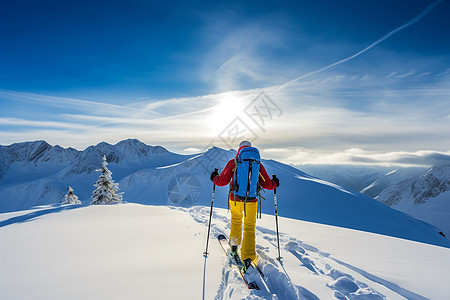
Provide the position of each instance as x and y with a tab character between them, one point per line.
225	112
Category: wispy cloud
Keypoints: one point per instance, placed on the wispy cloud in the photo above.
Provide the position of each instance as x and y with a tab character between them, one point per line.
318	114
412	21
332	115
68	103
410	73
40	124
173	122
242	57
423	74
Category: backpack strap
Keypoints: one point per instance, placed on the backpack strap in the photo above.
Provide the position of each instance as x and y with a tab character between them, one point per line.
250	170
260	198
262	177
234	179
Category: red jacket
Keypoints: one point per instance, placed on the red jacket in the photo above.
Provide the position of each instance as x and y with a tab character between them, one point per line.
228	173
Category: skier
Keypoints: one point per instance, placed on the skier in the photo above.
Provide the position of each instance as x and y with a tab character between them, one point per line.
243	207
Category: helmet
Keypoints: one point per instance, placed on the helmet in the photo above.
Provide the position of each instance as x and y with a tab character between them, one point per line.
245	143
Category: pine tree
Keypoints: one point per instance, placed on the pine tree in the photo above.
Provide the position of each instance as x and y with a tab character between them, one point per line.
107	190
70	197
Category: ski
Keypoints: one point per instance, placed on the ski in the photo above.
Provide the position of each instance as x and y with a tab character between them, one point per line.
235	261
262	277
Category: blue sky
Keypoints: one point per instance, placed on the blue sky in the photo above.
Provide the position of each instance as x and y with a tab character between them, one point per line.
351	81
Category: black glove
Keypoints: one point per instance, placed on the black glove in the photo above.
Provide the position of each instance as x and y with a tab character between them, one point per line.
214	174
277	181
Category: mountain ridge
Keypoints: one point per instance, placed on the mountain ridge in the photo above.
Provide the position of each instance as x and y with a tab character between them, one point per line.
151	175
425	196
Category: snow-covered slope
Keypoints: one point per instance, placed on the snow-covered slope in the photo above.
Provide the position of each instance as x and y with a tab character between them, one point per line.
130	251
152	175
426	197
300	196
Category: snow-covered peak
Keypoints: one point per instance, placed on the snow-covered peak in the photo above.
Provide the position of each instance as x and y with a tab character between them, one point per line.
130	149
425	196
219	151
136	148
36	160
123	154
27	151
22	158
211	159
419	189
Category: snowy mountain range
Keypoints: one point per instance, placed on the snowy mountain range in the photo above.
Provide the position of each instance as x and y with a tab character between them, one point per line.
335	243
36	173
389	179
426	196
421	192
368	180
418	190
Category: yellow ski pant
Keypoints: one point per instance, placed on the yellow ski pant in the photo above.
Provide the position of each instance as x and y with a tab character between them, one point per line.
248	242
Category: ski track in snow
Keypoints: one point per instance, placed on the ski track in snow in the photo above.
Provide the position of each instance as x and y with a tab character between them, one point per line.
336	273
345	286
341	279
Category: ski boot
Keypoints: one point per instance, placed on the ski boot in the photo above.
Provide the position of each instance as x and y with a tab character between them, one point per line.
247	264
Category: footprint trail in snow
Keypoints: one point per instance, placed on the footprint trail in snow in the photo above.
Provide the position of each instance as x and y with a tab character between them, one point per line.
342	281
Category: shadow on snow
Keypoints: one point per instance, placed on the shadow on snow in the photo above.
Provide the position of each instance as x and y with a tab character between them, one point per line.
37	214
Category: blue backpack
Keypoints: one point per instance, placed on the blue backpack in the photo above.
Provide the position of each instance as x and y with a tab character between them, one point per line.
246	174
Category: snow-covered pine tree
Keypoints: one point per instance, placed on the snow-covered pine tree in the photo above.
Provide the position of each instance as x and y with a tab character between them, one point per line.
70	197
107	190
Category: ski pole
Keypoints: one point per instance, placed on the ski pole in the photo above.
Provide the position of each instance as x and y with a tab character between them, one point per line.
205	254
276	219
